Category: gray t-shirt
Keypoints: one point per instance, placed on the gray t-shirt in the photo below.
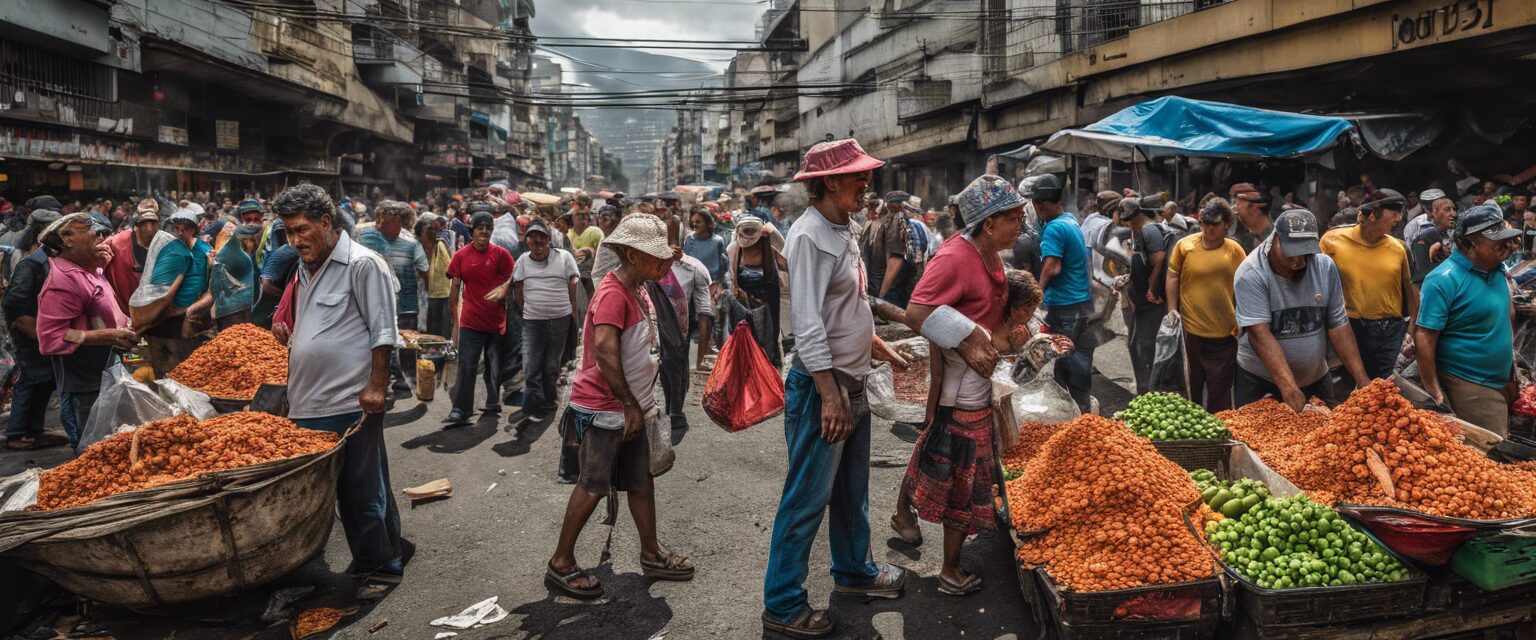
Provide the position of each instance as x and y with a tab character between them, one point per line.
1299	313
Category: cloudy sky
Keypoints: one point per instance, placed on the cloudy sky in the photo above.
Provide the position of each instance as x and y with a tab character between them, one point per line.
677	20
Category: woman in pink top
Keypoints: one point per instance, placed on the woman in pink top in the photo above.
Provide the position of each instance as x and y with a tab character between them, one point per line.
613	398
78	320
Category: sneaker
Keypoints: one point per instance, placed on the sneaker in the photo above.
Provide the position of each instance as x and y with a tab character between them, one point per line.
455	418
888	583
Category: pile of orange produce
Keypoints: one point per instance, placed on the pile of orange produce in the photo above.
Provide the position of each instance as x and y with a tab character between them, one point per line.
1032	436
235	363
1112	511
1431	470
172	449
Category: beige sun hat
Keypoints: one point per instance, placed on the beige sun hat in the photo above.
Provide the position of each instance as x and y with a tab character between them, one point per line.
642	232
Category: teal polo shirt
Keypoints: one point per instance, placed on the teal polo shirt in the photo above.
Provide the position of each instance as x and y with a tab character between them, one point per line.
1470	309
177	259
1063	239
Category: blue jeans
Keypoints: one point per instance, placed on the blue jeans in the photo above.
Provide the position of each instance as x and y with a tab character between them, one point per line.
75	412
1379	341
29	404
369	515
821	478
543	342
510	346
472	345
1075	371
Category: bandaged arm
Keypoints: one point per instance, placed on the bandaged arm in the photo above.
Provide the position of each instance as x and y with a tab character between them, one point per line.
947	327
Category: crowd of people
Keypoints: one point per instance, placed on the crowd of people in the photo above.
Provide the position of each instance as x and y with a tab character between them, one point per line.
609	295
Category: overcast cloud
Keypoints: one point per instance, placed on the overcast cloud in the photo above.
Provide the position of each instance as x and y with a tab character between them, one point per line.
677	20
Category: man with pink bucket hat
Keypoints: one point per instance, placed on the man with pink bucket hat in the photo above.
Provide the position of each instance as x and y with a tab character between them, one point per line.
826	416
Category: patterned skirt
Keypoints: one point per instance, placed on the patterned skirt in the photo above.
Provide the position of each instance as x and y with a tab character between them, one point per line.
950	475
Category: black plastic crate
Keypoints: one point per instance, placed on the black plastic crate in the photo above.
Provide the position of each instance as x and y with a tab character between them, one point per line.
1090	616
1195	454
1201	599
1314	606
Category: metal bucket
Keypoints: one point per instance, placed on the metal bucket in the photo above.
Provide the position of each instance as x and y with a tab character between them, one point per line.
239	537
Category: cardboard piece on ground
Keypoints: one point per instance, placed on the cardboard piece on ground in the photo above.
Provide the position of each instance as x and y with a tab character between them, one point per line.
439	488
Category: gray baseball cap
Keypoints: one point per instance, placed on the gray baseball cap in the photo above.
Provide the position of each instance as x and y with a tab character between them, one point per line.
1486	220
1296	231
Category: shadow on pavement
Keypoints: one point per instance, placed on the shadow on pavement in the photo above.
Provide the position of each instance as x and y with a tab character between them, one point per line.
626	612
397	418
525	434
457	439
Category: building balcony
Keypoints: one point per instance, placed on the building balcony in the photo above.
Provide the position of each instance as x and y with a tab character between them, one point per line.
302	52
384	59
437	108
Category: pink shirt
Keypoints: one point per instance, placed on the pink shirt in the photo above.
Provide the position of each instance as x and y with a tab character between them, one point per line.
613	305
957	276
73	298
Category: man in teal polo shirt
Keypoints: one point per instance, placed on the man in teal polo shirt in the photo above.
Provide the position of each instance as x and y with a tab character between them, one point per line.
183	266
1464	341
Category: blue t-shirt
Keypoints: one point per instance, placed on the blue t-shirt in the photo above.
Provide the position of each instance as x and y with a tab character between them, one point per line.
278	267
1470	309
1063	240
710	251
177	259
405	255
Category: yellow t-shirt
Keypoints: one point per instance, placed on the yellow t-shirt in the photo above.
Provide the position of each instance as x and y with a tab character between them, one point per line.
588	239
1205	285
1372	275
438	285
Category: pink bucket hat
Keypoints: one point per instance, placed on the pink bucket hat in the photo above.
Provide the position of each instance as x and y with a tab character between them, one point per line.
836	158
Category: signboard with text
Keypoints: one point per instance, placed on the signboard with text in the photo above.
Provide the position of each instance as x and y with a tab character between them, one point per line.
226	134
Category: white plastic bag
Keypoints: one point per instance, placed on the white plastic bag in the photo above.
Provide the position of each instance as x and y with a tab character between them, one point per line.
1039	399
184	399
19	491
123	402
880	390
658	430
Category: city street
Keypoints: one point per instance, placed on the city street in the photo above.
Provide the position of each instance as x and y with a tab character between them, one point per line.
493	536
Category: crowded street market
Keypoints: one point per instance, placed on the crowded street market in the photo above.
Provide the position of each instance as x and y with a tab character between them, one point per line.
1188	362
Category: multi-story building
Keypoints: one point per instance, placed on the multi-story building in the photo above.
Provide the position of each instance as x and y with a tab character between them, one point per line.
936	86
369	97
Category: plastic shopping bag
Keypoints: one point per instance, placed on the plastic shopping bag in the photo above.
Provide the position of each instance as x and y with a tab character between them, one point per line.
658	432
185	399
123	402
1168	359
1040	398
744	388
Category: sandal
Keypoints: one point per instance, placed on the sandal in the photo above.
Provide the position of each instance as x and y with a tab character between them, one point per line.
970	585
20	443
668	566
562	584
811	623
909	534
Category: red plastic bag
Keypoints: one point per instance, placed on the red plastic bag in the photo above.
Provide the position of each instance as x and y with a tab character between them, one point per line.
745	388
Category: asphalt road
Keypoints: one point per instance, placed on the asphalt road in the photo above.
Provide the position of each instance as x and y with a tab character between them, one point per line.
494	535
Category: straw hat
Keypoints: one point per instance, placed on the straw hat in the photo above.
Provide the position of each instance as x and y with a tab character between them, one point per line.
644	233
836	158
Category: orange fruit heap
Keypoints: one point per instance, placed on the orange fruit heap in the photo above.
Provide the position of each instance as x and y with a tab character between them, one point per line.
235	363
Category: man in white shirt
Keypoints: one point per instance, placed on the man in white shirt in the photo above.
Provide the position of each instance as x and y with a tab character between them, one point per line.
544	284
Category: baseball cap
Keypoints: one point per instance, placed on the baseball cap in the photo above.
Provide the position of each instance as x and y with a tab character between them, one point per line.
1385	199
537	225
1431	195
1296	231
897	197
1487	220
1246	191
1151	205
147	215
1046	188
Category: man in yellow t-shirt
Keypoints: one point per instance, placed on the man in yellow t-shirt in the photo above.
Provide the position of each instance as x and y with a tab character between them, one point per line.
585	239
1378	282
1201	269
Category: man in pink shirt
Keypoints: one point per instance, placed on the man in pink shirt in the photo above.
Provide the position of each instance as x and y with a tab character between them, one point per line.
79	323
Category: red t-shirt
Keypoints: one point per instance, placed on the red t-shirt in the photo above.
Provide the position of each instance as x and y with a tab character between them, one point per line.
613	305
120	271
956	276
480	272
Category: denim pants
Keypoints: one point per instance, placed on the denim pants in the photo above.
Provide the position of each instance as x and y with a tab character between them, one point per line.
29	404
821	478
510	345
75	412
1379	341
1075	370
472	346
1142	342
543	341
369	515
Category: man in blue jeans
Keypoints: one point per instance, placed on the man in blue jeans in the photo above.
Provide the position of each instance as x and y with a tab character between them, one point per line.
1064	279
343	314
826	416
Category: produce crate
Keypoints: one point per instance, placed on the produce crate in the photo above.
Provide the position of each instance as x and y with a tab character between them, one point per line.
1451	592
1496	562
1195	454
227	405
1092	616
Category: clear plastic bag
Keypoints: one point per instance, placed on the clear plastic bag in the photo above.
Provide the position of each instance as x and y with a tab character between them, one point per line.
658	429
1168	360
184	399
123	402
880	389
19	491
1039	398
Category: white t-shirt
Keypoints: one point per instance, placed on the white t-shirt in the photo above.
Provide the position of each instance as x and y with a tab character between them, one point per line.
546	285
962	387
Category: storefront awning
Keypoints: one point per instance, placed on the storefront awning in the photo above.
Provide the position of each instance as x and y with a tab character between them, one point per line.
1174	126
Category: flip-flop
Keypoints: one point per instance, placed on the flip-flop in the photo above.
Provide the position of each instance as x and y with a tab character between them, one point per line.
811	623
20	443
670	566
909	534
971	585
562	583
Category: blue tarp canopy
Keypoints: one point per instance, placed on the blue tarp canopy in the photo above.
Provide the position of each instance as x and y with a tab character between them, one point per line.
1174	126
